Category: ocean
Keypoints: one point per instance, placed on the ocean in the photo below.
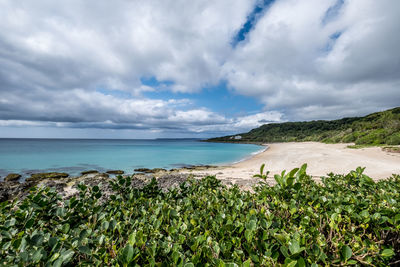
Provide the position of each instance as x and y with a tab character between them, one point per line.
27	156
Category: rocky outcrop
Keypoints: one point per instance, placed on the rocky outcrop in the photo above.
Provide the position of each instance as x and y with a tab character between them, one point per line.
89	172
146	170
47	175
12	177
117	172
69	187
101	175
12	189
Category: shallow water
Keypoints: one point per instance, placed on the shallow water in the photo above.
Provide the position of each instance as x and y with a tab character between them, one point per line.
28	156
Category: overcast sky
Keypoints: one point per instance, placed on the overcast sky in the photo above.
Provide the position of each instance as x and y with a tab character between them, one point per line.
199	68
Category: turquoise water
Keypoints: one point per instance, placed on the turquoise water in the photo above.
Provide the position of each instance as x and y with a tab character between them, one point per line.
28	156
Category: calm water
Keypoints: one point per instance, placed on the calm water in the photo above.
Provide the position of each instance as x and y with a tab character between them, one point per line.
28	156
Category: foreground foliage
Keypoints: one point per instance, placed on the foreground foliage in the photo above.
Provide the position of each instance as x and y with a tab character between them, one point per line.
345	220
375	129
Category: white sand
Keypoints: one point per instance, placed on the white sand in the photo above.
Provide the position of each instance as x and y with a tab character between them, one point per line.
320	158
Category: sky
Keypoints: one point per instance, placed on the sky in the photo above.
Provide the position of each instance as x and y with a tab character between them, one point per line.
200	68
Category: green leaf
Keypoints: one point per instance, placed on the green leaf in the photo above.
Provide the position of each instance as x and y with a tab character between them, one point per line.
387	252
252	225
105	225
53	241
294	247
85	250
65	228
29	223
127	254
290	263
67	255
247	263
301	262
37	240
54	257
293	172
24	256
37	255
346	252
248	235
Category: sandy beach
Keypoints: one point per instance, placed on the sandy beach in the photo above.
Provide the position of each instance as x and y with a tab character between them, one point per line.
320	158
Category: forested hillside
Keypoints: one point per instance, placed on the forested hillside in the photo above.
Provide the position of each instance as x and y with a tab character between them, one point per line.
374	129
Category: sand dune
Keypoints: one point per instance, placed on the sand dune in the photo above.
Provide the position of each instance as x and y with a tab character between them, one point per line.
321	159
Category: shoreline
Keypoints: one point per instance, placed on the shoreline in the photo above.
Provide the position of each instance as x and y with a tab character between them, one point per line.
252	155
321	159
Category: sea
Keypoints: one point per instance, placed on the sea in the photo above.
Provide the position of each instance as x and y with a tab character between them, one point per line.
27	156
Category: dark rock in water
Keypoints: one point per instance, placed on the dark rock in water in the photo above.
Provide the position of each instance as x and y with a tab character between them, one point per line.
115	172
12	177
47	175
146	170
89	172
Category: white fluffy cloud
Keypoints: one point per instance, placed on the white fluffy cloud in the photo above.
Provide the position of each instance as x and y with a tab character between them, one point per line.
310	67
306	59
80	109
67	44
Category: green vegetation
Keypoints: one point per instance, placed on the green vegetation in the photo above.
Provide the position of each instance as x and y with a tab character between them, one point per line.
344	220
374	129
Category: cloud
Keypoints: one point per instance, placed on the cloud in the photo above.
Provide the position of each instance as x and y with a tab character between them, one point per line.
296	60
74	64
72	44
81	109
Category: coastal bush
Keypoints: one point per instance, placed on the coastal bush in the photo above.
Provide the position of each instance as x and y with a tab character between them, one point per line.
394	139
344	220
374	129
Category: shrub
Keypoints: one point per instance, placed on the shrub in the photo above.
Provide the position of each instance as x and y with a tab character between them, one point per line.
345	220
394	139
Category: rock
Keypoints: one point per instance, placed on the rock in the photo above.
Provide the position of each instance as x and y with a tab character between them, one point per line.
170	181
146	170
89	172
159	170
47	175
102	175
59	186
12	189
115	172
12	177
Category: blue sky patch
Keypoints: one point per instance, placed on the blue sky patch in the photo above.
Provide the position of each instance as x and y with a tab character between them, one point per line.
217	98
153	82
251	21
332	12
332	41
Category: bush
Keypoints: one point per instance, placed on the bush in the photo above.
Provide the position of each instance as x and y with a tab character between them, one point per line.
345	220
394	139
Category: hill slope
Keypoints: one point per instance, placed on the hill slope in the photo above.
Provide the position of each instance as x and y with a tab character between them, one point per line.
374	129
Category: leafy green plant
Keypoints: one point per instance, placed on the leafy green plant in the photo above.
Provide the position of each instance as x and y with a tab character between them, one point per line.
343	220
287	180
262	175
